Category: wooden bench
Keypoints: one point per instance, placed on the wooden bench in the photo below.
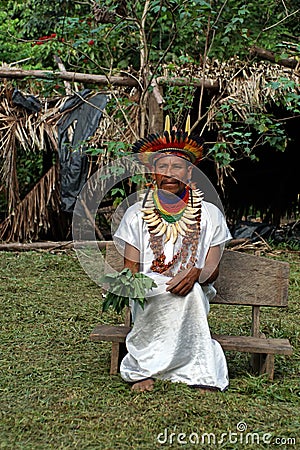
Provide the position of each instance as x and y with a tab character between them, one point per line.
244	280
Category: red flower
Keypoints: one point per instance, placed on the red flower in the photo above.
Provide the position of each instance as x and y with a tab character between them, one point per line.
91	42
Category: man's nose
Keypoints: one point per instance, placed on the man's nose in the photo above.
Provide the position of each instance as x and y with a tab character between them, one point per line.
168	172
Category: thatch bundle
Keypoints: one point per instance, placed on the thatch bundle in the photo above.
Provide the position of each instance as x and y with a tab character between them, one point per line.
27	132
247	86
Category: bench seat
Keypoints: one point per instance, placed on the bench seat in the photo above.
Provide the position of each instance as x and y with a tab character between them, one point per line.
248	344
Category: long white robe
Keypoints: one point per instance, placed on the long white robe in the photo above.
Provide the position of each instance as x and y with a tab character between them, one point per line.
170	338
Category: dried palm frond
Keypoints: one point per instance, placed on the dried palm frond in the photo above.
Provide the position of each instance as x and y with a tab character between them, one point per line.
8	172
32	213
247	85
21	131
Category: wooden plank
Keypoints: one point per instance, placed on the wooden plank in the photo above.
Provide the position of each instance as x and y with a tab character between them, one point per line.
110	333
118	333
127	318
251	280
252	344
255	331
255	327
267	366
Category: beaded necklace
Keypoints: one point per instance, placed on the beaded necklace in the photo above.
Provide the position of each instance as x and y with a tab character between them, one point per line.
185	222
170	208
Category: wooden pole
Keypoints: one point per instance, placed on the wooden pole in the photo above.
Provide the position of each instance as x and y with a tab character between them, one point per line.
68	76
271	56
180	81
49	246
103	80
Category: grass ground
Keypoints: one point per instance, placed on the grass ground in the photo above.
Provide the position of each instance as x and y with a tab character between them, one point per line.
56	391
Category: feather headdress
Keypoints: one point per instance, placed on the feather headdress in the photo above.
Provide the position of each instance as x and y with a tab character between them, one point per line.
176	143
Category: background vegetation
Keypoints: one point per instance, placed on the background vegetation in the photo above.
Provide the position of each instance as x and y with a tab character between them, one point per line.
146	39
251	115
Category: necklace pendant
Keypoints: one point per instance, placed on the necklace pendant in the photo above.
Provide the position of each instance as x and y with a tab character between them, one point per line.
174	233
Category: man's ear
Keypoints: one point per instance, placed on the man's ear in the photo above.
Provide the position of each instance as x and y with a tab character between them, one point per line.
190	171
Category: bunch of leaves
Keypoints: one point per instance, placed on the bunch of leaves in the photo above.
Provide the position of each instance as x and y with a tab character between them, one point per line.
286	93
239	138
124	285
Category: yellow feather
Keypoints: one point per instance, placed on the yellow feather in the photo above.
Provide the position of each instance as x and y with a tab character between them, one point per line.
188	124
167	124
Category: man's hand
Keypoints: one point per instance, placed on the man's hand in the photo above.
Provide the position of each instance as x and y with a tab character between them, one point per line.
184	281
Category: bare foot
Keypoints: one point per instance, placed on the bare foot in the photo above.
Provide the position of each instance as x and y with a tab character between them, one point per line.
144	385
206	390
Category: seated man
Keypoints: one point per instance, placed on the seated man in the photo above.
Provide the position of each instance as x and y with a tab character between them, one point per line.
175	237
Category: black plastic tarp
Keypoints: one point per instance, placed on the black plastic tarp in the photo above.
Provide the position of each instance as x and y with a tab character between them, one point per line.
29	102
80	123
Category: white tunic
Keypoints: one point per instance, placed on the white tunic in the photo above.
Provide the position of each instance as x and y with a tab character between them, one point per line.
170	338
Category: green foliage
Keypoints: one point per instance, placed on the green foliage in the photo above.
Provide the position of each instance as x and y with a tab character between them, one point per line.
29	169
114	151
110	149
124	286
9	46
173	29
174	34
285	94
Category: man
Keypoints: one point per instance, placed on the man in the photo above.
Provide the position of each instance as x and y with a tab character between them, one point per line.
176	238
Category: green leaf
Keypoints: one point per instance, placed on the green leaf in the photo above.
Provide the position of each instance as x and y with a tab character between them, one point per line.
125	285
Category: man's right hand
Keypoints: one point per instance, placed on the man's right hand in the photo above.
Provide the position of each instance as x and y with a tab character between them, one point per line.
184	281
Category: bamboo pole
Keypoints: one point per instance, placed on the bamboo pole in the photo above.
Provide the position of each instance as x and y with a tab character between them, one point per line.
69	76
103	80
181	81
49	246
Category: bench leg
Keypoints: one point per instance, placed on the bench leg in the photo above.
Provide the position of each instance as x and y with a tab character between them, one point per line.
255	362
267	365
118	351
114	358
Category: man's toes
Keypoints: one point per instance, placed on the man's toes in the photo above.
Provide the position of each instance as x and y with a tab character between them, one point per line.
144	385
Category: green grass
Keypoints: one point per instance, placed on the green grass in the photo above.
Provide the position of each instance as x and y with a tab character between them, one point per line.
56	391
